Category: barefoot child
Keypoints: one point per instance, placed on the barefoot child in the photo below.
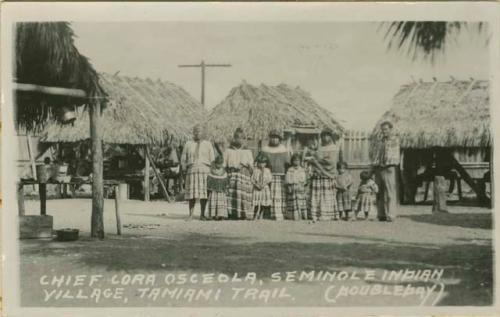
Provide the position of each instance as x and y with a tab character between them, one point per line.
261	179
217	183
295	180
343	183
366	194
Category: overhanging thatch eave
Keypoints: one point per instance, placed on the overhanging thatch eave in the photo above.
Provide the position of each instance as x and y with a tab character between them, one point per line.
139	112
453	114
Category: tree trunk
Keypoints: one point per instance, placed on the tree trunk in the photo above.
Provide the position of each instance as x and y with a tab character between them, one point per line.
97	222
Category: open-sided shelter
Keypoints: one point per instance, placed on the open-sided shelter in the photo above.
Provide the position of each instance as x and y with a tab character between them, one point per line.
450	119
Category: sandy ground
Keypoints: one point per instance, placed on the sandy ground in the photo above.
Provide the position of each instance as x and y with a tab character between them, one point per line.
157	240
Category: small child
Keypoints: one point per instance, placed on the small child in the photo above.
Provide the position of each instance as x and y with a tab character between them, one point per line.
366	194
295	180
343	183
261	179
217	182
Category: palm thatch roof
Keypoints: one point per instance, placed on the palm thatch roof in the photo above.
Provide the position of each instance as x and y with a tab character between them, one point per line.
260	109
139	111
441	114
45	55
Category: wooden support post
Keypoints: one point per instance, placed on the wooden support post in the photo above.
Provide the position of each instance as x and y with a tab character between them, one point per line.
146	174
439	194
31	157
468	179
117	211
20	199
160	179
97	221
492	180
42	191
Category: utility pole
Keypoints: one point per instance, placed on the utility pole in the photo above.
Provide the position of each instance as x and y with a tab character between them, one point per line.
203	66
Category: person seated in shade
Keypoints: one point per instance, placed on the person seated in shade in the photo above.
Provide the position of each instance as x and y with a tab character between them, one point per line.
279	159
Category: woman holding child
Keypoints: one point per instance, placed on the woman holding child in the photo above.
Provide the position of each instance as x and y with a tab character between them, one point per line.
323	204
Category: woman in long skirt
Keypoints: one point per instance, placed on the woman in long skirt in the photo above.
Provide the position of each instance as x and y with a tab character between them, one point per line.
239	163
323	203
279	158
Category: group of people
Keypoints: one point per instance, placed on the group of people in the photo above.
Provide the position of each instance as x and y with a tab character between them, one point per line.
277	184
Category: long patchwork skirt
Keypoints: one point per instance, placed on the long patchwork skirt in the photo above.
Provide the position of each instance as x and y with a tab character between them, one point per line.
278	197
239	195
296	203
323	203
196	183
217	204
344	200
262	197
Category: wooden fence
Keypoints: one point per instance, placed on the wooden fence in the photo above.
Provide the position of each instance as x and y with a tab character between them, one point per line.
355	147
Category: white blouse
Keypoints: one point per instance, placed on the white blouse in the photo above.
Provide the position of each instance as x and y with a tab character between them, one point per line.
235	158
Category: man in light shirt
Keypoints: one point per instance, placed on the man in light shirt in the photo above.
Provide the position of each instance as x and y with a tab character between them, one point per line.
386	166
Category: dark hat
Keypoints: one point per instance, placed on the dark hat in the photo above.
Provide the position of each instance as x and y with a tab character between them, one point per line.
274	133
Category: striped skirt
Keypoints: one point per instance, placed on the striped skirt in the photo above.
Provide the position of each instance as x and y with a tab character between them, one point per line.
217	204
296	203
239	195
278	197
196	184
323	203
344	200
262	197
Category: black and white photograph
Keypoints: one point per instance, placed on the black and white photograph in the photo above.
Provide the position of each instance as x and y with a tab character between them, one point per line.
217	158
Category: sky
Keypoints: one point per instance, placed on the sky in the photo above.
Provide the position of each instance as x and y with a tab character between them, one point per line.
346	67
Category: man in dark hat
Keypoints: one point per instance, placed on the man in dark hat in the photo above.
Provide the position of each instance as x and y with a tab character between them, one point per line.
386	166
279	159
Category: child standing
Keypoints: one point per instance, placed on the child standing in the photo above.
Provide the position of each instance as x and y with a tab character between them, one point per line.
343	183
295	180
366	194
217	182
261	179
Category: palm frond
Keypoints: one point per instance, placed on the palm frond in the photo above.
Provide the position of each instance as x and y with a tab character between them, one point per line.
45	54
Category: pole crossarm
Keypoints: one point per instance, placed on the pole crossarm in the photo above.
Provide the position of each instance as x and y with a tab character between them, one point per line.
203	67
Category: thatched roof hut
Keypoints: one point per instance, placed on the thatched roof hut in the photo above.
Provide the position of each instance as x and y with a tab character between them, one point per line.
441	114
441	123
259	109
139	111
45	55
